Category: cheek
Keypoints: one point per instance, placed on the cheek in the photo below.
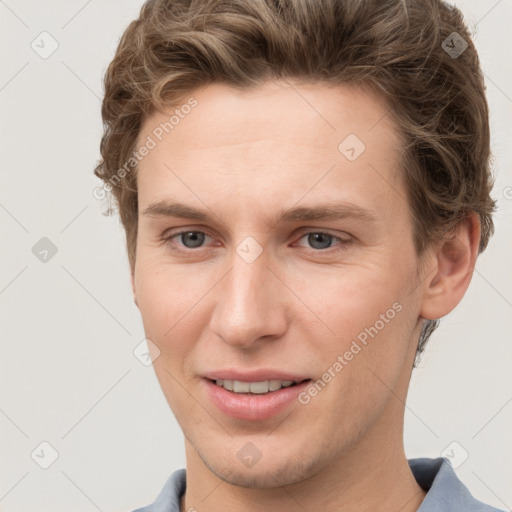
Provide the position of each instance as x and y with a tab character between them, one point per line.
168	304
163	305
350	299
360	366
371	317
166	293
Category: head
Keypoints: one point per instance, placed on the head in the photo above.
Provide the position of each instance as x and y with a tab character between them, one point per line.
241	110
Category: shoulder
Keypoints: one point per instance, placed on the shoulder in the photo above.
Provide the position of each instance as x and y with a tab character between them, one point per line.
445	492
444	489
169	498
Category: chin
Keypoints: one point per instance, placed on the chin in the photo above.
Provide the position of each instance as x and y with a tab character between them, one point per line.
279	471
264	477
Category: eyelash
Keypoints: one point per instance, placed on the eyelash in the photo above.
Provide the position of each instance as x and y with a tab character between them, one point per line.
339	247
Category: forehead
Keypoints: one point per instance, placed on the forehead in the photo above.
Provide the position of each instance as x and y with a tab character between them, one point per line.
309	112
282	141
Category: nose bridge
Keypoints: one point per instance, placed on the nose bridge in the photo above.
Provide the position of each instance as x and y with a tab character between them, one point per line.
248	302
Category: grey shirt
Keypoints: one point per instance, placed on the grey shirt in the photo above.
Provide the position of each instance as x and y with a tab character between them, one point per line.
445	492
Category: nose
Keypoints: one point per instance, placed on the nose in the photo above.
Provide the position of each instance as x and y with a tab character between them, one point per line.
251	303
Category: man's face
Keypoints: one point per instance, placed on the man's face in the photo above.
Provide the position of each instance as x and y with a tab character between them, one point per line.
247	295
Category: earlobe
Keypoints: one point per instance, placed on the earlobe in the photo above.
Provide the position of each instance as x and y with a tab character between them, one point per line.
454	263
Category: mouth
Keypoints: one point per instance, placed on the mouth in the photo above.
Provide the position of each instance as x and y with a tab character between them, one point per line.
261	387
254	400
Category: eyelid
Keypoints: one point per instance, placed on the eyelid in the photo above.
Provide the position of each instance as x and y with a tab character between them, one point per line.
313	229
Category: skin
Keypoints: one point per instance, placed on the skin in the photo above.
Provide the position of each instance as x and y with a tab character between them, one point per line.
243	156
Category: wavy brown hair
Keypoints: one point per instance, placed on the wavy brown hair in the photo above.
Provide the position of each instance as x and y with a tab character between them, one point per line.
400	48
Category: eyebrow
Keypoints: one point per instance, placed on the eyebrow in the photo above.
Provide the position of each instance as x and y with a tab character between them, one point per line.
332	211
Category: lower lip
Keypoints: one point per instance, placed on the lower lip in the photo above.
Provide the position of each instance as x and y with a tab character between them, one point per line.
253	407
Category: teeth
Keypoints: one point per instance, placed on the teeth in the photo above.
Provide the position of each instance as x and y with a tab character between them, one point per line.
259	387
241	387
253	387
274	385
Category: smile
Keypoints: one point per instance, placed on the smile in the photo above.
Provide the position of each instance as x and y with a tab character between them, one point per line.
258	388
256	400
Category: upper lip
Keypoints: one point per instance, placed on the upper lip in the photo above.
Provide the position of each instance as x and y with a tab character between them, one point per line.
253	375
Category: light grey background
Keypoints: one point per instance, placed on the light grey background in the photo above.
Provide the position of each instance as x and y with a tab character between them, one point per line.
69	326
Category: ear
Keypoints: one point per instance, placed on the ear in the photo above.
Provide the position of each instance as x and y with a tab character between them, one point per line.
453	264
132	280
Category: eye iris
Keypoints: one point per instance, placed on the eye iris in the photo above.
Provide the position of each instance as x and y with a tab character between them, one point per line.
196	237
318	237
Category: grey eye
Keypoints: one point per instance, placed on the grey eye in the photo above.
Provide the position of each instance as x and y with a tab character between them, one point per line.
192	239
320	240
